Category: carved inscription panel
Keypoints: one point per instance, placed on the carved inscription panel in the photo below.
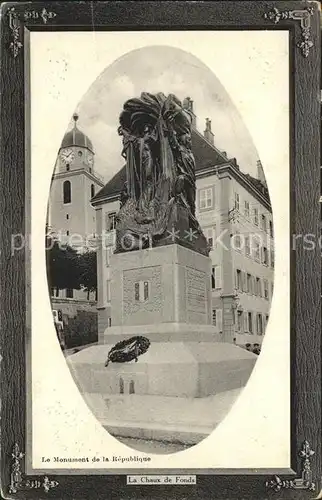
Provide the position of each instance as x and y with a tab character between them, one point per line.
142	295
196	291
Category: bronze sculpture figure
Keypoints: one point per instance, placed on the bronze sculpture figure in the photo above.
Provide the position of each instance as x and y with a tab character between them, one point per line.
158	201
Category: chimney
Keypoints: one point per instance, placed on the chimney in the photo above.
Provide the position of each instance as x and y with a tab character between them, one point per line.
188	105
208	133
260	173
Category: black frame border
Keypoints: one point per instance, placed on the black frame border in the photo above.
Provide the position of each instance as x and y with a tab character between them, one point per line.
306	346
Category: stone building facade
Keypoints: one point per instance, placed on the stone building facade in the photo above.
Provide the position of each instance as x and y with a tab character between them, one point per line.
234	211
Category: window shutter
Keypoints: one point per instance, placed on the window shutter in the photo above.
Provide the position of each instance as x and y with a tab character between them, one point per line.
218	276
236	279
253	281
262	255
244	281
246	321
219	320
107	222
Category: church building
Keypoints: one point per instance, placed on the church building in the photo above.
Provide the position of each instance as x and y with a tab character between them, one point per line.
235	214
71	216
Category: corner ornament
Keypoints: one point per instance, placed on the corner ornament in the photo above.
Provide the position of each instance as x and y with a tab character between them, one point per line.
304	16
303	483
15	22
17	480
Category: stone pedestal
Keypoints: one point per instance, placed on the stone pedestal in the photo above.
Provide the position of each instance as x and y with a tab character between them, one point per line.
176	392
186	381
163	293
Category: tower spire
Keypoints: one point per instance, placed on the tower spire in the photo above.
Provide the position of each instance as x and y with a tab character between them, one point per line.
75	118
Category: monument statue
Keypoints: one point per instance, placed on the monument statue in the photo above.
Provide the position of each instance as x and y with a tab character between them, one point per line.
158	199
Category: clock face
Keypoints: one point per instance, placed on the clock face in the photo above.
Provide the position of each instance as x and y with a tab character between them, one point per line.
67	156
90	159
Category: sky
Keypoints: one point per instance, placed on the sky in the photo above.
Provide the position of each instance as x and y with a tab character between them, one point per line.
168	70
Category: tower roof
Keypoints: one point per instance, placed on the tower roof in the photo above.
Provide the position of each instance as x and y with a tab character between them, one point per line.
76	137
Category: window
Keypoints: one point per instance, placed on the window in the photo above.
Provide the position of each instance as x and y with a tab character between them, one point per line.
92	190
131	387
67	216
271	231
272	289
266	320
258	287
217	319
69	293
107	257
256	251
266	289
249	283
247	246
205	198
216	277
264	225
121	382
111	221
210	236
67	167
259	322
108	291
109	322
250	322
52	291
239	281
236	201
246	209
67	192
240	320
80	153
272	258
237	240
67	233
265	256
255	216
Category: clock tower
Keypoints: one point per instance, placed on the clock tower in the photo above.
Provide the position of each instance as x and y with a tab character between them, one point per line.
76	151
74	183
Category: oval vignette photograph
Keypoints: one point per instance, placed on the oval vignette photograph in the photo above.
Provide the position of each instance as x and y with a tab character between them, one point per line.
159	249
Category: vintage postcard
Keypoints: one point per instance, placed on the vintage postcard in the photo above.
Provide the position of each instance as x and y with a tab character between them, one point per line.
161	250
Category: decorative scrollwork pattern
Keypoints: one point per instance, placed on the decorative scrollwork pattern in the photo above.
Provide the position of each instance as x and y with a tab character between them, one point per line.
17	480
305	482
15	25
304	16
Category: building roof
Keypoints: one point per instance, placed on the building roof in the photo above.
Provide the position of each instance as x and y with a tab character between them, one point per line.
205	155
76	137
258	184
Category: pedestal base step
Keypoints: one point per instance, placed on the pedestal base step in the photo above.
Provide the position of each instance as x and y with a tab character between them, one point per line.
168	419
164	332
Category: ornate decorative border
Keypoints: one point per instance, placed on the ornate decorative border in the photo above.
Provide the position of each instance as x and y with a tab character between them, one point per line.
15	23
17	479
303	483
304	16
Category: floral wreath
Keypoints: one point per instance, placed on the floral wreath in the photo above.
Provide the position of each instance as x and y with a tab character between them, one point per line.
127	350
